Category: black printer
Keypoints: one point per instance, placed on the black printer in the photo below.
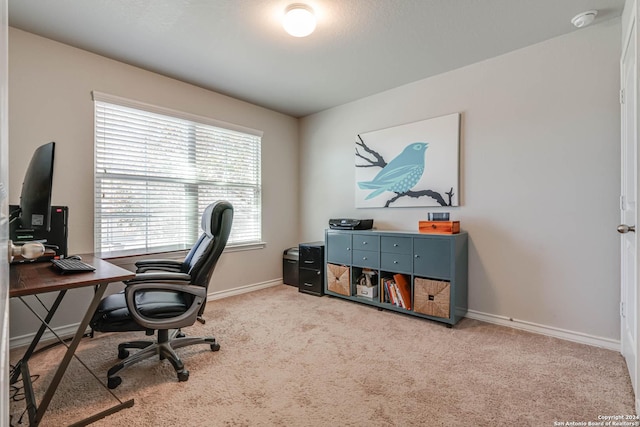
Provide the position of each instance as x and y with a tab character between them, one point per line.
351	224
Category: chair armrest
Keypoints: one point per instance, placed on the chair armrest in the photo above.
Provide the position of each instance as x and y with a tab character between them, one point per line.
188	318
183	278
159	264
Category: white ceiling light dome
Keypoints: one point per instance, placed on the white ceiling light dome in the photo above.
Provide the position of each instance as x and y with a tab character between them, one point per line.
585	18
299	20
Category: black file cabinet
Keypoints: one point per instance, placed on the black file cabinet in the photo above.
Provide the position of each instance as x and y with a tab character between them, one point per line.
311	268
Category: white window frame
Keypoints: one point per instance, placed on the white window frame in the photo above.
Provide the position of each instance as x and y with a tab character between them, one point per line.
247	237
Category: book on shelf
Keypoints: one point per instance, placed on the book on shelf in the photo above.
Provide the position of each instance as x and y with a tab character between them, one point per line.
386	282
404	289
394	293
387	293
400	300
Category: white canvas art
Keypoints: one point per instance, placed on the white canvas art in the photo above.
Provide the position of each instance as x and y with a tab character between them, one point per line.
411	165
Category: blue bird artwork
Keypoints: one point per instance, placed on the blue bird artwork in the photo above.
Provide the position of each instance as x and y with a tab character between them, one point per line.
401	174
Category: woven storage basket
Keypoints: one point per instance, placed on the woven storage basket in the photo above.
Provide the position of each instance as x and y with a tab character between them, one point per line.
431	297
339	279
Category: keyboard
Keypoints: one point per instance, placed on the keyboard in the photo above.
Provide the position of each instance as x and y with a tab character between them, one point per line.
71	266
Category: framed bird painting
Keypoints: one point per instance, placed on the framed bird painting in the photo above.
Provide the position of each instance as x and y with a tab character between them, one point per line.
411	165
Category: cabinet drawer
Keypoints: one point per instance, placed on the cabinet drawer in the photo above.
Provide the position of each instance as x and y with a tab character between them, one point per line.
366	259
339	248
396	245
311	281
311	256
432	258
365	242
432	297
400	263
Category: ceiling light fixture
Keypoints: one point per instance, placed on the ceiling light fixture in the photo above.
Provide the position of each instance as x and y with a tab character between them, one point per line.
299	20
585	18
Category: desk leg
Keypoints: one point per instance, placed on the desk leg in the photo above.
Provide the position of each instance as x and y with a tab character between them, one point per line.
48	395
36	339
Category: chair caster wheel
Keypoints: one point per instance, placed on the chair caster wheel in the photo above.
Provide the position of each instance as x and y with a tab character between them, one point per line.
183	376
123	353
215	346
113	382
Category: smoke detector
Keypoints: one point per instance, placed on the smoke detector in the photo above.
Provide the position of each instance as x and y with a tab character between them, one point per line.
585	18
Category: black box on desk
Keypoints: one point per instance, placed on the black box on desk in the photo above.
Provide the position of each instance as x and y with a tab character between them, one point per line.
55	238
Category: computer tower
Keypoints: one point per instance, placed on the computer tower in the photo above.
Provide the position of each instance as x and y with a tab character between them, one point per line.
55	238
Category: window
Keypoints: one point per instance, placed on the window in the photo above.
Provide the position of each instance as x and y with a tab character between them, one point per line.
156	170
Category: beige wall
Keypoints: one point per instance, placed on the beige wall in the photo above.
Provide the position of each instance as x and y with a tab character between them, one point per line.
539	168
50	88
539	177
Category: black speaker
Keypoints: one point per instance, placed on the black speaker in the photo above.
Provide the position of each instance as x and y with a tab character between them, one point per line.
55	238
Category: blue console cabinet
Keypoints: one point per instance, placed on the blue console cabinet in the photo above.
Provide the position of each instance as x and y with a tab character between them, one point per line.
433	267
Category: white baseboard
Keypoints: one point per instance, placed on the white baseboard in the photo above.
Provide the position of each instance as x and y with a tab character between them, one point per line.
243	289
69	330
546	330
63	332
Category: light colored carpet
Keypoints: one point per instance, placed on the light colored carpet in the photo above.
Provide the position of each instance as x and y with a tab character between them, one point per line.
291	359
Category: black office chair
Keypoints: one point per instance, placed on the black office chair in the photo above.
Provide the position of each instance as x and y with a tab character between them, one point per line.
164	295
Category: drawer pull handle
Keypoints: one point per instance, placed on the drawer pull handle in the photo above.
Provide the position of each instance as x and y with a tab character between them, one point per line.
395	245
364	243
308	284
395	262
306	261
364	258
417	256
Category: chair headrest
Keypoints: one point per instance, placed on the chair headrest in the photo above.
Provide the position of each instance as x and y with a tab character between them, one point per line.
211	218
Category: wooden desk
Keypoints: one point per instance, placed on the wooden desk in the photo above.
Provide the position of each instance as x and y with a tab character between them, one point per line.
38	278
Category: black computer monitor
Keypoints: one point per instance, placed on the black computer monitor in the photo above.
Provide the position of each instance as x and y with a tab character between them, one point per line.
35	199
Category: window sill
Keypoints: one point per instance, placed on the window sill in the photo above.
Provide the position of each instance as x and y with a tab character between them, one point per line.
175	254
245	247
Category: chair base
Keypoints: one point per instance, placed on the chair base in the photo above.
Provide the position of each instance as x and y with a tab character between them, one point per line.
164	347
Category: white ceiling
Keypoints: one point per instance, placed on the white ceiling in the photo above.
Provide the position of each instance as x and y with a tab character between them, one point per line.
359	48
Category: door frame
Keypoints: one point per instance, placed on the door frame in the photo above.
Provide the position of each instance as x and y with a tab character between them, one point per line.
630	34
4	211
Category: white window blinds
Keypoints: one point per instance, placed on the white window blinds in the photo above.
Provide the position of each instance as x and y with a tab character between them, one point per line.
156	170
